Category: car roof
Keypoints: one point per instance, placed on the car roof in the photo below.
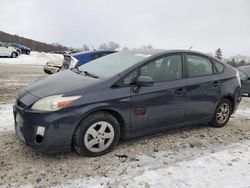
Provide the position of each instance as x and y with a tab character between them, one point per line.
156	52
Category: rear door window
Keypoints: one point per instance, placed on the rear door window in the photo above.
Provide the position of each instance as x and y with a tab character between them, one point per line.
199	66
219	66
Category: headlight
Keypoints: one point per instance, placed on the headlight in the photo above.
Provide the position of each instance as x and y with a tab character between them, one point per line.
53	103
73	62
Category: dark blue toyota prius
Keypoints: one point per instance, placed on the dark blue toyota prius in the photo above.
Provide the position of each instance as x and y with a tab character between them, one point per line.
124	95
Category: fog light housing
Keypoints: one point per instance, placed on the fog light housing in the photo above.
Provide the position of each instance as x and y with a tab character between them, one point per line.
39	134
40	130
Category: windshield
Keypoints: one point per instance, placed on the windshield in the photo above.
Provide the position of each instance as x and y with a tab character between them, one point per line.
115	63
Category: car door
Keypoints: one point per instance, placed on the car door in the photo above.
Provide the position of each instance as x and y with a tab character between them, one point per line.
2	50
161	105
6	50
203	87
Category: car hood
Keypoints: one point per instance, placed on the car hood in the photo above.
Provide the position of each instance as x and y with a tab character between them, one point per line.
64	82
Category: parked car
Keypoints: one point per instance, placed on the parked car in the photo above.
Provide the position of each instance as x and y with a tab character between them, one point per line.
244	72
21	48
124	95
80	58
7	51
73	59
53	66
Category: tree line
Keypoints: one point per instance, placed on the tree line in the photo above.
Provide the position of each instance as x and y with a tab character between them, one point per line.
235	61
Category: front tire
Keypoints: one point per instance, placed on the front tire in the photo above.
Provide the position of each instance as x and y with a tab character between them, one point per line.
97	134
222	113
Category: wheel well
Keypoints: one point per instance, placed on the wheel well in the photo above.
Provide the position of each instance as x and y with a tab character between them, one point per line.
230	99
117	116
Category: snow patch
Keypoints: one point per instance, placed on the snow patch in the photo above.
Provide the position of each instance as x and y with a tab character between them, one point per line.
35	58
242	113
226	168
6	118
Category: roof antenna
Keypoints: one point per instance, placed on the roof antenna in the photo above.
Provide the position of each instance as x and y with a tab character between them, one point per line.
190	48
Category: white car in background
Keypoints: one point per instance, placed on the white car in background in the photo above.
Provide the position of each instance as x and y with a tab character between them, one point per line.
7	51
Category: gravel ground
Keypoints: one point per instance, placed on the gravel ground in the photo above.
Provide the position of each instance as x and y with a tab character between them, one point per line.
21	166
14	77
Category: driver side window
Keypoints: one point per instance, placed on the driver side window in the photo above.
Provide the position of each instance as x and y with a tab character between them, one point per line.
164	69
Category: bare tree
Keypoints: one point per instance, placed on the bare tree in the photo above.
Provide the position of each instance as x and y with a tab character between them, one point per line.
147	46
125	48
109	46
85	47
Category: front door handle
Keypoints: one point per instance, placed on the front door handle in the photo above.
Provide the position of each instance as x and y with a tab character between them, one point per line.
180	91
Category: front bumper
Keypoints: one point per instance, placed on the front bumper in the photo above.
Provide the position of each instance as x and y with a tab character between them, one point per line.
59	129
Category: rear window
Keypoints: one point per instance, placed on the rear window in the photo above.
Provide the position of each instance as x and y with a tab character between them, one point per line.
219	66
199	66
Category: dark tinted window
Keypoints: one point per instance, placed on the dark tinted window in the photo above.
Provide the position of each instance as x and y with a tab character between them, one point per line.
199	66
219	66
164	69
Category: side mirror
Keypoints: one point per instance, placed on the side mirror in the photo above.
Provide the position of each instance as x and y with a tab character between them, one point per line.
144	81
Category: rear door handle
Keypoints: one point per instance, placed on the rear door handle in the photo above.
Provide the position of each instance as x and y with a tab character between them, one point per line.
180	91
216	83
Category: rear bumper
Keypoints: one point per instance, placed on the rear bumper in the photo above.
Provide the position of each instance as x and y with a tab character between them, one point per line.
59	129
50	69
237	100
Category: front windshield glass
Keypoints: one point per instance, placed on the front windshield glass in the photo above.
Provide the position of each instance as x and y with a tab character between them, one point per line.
115	63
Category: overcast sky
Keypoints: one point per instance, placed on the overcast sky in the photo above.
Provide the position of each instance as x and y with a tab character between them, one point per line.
177	24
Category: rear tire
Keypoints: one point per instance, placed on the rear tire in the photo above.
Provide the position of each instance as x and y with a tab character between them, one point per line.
14	54
222	113
96	135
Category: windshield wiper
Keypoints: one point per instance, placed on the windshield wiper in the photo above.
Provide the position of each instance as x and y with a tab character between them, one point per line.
90	74
76	70
86	73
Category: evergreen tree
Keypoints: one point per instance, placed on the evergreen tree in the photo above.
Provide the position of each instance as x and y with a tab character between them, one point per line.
218	53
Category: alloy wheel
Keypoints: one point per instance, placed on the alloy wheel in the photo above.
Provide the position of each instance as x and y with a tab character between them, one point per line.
99	136
223	113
